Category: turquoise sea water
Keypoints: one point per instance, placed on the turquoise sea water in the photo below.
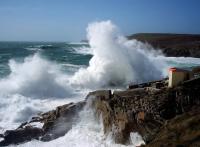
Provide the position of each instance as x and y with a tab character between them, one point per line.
70	56
61	53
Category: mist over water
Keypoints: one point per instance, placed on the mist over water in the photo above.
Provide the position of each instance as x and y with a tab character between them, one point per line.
37	77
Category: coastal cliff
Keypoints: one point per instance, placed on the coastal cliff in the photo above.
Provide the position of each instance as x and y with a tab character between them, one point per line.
162	116
175	45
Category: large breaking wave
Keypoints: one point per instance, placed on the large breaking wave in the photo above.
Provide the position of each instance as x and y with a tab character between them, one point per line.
35	77
116	61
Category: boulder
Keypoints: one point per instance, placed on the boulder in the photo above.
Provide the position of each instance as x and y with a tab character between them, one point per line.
59	121
21	135
56	123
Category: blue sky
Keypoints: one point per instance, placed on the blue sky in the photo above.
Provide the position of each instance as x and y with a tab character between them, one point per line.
66	20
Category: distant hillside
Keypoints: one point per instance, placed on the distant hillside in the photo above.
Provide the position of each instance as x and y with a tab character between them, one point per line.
187	45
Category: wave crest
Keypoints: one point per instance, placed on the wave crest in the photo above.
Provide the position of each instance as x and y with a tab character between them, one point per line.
116	61
35	77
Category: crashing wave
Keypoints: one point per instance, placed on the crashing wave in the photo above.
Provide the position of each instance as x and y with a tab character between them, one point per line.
116	60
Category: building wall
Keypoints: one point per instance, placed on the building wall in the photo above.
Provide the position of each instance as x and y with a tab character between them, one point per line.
175	77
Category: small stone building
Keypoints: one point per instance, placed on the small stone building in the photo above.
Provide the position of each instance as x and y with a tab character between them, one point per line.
196	72
176	76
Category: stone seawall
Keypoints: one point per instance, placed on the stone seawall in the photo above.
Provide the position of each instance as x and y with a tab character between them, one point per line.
146	110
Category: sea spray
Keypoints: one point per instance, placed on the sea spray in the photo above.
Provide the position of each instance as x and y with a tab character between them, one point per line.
34	85
116	61
87	131
35	77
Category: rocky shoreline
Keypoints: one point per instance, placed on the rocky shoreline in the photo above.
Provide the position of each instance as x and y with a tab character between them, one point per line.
162	116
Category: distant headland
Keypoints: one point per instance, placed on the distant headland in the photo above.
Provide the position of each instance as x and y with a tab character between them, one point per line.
172	45
177	45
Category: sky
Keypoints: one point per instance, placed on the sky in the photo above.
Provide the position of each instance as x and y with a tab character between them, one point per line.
67	20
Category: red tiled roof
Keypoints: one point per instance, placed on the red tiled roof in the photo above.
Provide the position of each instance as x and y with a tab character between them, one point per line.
174	69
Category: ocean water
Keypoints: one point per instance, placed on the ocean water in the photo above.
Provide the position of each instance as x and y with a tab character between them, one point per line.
38	76
34	74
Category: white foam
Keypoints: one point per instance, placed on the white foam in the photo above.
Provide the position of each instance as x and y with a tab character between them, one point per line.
187	61
116	61
15	108
83	50
87	132
33	48
37	124
33	86
36	77
37	47
78	43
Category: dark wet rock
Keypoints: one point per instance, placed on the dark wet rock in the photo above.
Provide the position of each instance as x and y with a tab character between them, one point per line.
56	123
104	94
21	135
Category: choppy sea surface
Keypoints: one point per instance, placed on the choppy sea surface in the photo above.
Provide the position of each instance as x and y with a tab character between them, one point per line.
38	76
